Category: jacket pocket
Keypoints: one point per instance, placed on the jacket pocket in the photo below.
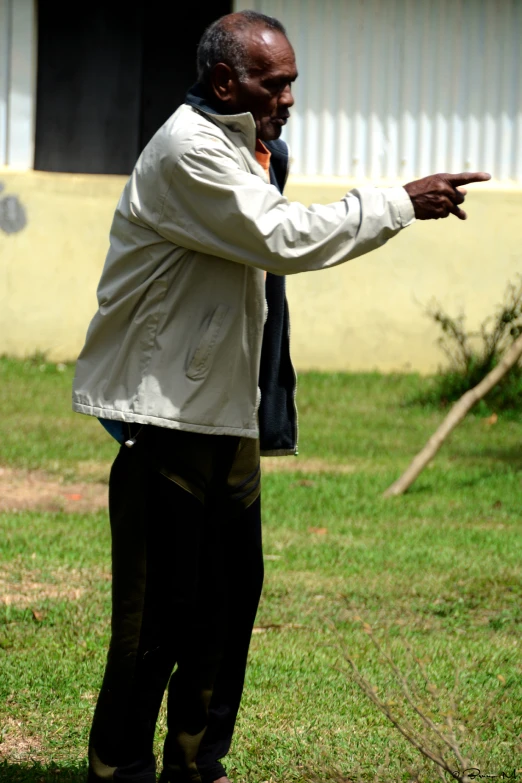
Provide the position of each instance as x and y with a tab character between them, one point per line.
201	359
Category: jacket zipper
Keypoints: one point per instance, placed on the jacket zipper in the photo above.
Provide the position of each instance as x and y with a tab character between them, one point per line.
131	440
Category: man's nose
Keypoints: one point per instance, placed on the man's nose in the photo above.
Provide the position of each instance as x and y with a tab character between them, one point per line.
286	98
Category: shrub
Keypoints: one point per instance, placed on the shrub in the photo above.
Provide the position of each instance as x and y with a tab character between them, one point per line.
472	355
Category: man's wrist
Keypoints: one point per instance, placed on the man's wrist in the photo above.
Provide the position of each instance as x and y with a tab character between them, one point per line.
403	203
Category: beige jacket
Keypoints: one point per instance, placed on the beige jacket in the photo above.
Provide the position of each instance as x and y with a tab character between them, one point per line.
177	337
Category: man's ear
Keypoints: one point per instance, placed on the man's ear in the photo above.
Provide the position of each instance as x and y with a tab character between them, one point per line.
223	83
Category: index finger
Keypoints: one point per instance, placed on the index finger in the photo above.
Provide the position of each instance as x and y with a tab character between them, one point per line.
466	177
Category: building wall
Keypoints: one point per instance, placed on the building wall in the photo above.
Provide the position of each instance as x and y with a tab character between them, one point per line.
369	313
17	82
397	89
53	241
363	315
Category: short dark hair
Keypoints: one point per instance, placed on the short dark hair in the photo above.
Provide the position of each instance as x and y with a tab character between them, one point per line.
220	43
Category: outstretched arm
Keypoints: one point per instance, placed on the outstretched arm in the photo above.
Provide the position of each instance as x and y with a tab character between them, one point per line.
214	206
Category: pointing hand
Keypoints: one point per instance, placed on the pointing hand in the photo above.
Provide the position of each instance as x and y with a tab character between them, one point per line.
439	195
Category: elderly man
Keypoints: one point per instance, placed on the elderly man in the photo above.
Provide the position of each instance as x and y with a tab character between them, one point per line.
187	364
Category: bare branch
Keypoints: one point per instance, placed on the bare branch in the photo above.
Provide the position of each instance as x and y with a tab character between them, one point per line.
422	742
454	417
406	691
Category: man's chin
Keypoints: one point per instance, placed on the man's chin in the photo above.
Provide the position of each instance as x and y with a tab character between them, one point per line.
270	132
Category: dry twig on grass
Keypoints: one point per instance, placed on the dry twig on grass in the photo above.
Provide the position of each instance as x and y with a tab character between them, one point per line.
436	741
454	417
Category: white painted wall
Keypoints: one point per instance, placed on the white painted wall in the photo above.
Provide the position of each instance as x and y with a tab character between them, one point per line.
396	89
17	83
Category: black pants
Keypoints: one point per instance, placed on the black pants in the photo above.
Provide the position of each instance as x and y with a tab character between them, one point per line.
187	579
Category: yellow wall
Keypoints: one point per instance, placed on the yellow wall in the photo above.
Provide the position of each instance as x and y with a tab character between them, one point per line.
49	271
364	315
368	314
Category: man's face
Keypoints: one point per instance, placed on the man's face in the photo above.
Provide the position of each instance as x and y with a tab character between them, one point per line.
266	92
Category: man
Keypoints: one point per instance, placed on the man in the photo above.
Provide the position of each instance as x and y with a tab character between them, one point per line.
187	363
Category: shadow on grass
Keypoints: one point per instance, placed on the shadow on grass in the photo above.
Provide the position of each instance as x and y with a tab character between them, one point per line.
42	773
425	484
512	455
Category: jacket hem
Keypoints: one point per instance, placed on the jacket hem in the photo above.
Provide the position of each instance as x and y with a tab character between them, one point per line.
157	421
278	453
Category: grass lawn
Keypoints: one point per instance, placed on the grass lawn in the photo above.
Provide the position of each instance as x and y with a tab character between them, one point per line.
438	570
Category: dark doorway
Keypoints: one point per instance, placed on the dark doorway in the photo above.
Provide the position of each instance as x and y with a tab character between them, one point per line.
171	32
108	78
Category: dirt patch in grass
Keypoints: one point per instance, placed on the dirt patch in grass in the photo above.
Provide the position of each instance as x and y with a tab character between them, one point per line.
23	587
16	745
299	465
24	490
27	592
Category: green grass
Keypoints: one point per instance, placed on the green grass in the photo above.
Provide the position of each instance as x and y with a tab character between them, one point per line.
38	428
438	569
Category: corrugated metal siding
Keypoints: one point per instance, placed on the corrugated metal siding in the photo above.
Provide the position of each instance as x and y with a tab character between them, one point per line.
401	88
5	28
17	80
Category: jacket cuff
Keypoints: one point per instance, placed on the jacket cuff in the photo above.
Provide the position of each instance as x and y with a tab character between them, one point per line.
402	202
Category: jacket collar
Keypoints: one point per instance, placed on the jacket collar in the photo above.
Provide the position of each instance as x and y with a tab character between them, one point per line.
243	123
